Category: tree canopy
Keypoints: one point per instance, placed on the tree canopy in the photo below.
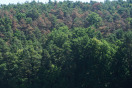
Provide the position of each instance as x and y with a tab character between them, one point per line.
66	44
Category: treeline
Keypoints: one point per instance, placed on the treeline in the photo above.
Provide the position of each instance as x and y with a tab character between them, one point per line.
66	45
106	17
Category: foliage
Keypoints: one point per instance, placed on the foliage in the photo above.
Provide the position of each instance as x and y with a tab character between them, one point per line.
66	45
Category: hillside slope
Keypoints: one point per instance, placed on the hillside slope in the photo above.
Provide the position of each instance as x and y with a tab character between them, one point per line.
66	45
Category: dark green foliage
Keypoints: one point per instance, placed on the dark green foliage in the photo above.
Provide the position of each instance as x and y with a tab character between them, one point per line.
66	45
33	14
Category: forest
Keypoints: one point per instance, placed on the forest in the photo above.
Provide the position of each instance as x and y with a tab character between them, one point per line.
66	44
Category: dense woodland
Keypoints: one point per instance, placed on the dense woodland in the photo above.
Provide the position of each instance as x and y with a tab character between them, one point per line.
66	45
